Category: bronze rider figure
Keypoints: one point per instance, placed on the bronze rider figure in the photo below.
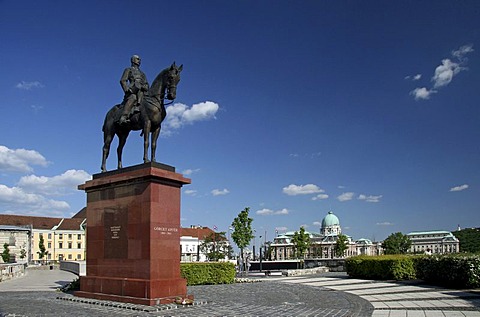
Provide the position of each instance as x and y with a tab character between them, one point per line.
134	84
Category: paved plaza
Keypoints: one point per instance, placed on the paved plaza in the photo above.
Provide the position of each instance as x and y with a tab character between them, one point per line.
329	294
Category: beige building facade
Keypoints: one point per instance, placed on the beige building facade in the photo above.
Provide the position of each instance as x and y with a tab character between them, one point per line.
63	238
433	242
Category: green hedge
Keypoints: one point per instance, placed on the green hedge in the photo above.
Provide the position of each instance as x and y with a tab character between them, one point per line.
385	267
202	273
453	270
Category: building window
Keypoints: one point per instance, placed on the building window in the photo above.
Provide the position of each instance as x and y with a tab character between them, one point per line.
49	245
40	234
60	245
69	236
49	235
79	256
79	245
60	236
69	256
79	237
69	245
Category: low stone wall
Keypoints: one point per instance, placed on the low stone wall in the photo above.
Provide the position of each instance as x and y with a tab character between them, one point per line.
11	271
334	265
315	270
75	267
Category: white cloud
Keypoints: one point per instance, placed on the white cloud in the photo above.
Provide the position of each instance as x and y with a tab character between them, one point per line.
414	77
190	171
346	196
370	199
20	160
293	190
269	212
462	51
218	192
444	73
459	188
317	223
386	223
320	197
422	93
190	192
20	200
28	85
180	114
278	229
56	185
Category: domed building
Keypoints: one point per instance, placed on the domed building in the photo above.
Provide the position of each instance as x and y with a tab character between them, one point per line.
330	225
322	244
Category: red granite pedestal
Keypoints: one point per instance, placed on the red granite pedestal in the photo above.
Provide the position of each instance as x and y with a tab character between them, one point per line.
133	235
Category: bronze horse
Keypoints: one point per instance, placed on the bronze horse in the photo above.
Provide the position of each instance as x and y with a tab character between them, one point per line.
149	119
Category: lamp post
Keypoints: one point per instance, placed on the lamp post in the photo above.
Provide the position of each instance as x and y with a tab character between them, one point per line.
254	238
260	254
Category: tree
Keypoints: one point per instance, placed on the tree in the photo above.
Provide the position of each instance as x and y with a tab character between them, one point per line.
242	230
23	252
396	243
215	247
469	239
301	243
341	245
41	246
6	253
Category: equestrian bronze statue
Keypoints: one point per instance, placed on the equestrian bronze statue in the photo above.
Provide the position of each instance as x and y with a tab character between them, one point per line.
146	116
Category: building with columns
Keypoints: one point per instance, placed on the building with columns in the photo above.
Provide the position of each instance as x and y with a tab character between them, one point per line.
322	244
433	242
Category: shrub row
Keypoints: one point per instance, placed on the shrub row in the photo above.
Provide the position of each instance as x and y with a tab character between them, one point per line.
453	270
458	271
386	267
202	273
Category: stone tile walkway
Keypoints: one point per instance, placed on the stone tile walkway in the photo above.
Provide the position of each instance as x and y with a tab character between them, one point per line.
401	299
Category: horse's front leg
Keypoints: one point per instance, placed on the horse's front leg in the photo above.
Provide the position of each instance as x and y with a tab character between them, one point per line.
122	139
153	149
146	133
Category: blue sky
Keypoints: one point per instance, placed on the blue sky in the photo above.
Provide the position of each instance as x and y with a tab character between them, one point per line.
369	109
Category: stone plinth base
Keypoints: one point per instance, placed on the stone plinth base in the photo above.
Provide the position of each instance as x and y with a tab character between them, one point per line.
137	291
133	235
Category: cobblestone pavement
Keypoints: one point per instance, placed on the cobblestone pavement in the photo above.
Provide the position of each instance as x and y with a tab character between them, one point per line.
266	298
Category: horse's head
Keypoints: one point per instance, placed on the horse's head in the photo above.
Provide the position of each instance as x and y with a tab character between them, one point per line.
172	79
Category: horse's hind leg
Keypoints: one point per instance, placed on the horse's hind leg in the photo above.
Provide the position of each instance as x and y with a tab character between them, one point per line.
107	140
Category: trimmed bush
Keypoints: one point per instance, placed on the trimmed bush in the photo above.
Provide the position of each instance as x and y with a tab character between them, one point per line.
453	270
204	273
385	267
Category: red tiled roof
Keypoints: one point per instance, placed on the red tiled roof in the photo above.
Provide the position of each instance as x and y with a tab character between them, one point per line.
81	214
71	224
199	233
46	223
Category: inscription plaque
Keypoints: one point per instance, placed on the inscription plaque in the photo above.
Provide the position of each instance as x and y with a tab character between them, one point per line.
115	222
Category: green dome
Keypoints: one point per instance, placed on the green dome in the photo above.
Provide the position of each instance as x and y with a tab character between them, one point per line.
330	220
